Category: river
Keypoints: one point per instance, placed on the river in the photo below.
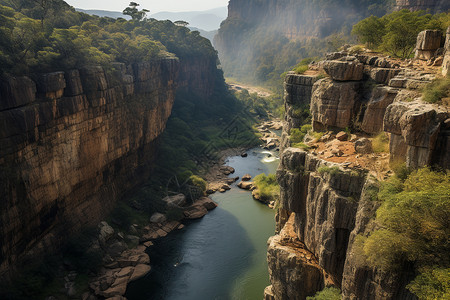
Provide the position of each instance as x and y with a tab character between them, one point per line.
223	255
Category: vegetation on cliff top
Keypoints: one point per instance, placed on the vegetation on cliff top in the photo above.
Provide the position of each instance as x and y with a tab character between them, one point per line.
260	42
34	39
413	227
396	33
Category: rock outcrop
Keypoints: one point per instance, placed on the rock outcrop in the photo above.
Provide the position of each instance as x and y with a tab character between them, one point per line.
325	200
433	6
428	42
446	62
71	144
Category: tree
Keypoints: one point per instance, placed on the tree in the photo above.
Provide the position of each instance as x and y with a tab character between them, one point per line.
181	23
134	13
370	31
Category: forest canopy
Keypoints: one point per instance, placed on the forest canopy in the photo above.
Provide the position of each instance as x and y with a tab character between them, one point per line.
44	36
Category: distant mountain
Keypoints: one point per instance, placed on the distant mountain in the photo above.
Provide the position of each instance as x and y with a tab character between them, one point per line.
207	20
103	13
204	21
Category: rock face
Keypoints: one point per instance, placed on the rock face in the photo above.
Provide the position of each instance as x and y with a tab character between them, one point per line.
71	144
333	103
344	71
446	63
323	205
434	6
428	41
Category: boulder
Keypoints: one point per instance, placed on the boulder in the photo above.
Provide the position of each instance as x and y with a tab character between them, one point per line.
207	203
383	75
246	185
158	218
363	146
106	232
342	136
344	70
195	212
244	154
334	104
140	271
225	187
428	41
175	201
246	177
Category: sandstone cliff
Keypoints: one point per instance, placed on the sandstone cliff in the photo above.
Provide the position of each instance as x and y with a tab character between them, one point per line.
326	197
433	6
71	144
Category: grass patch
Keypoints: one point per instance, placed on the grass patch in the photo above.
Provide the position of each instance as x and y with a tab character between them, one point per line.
300	69
328	293
438	89
298	134
268	187
301	146
380	143
329	170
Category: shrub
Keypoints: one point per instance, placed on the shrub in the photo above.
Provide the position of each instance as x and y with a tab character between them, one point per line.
301	146
380	143
329	293
438	89
413	221
268	187
330	170
300	69
431	284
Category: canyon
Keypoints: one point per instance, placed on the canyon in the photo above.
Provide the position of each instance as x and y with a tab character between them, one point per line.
73	143
327	194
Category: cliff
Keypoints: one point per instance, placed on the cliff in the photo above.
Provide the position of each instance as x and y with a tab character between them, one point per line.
327	192
71	144
433	6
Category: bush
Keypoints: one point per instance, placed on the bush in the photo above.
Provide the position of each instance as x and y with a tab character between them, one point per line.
329	293
268	187
380	143
413	221
431	284
300	69
330	170
438	89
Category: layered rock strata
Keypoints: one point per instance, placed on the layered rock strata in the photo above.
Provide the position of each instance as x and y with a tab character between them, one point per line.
325	205
71	143
433	6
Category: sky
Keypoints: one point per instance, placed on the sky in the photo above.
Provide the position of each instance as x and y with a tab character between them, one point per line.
153	5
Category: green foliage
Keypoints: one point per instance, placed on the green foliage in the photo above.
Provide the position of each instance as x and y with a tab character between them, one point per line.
135	13
198	182
256	51
268	187
380	143
329	293
302	66
66	39
298	134
432	284
438	89
260	106
370	31
397	32
329	170
414	227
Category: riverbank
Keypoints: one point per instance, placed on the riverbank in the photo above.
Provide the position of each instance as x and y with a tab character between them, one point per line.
126	258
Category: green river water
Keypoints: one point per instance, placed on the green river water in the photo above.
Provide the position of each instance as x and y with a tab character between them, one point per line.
223	255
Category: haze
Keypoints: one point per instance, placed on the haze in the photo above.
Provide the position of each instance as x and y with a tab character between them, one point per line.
153	5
